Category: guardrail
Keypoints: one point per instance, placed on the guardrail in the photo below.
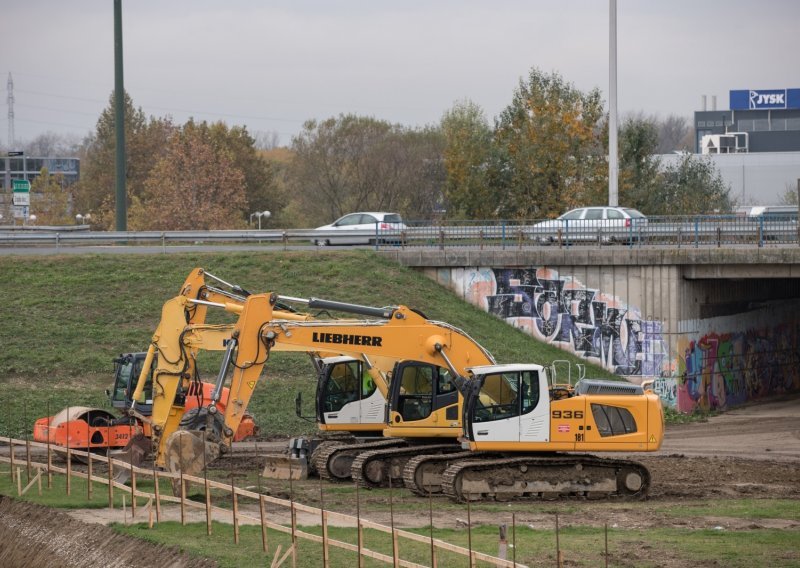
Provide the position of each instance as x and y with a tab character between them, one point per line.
672	231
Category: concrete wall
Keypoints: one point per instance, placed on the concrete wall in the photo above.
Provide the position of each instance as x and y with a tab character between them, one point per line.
706	343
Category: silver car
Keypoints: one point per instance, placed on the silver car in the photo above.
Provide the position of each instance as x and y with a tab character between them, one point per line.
361	229
600	224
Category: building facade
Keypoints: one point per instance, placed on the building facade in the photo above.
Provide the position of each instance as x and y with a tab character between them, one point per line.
765	120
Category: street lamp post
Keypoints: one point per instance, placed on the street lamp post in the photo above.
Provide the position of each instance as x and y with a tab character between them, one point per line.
81	219
260	214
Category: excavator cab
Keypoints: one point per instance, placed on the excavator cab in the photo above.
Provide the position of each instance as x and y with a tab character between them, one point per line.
347	394
127	368
424	395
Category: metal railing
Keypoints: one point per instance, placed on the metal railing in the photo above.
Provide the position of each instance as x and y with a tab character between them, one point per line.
665	231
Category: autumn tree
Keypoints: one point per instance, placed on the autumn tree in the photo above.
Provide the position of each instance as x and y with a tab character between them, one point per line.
145	143
353	163
690	186
194	186
468	147
50	199
548	156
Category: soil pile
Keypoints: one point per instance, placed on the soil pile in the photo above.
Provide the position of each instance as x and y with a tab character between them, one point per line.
33	536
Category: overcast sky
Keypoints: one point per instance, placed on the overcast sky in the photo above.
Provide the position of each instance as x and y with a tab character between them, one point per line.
272	65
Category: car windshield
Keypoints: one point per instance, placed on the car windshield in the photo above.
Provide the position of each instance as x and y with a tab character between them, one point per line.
392	218
634	214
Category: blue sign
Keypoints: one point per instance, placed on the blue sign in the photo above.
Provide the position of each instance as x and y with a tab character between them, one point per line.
765	99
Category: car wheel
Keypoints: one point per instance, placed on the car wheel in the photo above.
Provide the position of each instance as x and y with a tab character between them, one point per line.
321	242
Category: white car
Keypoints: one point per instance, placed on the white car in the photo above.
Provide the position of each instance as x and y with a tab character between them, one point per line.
603	224
361	229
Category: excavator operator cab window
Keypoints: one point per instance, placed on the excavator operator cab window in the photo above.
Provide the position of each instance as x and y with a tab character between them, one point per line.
505	395
416	382
347	382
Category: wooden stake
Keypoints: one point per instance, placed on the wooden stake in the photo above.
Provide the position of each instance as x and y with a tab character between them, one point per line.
293	517
11	449
124	512
27	441
133	489
235	499
183	500
325	554
559	557
430	519
360	531
261	508
395	552
150	513
89	476
469	534
158	496
39	477
49	457
263	511
324	525
110	477
514	538
19	482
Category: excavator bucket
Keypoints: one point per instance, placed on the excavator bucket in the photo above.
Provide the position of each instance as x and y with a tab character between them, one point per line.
133	453
188	451
294	463
285	466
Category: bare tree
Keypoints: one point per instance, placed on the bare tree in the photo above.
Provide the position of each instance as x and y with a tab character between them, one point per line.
674	134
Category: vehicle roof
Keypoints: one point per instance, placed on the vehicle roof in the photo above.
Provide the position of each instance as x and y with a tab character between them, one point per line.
507	368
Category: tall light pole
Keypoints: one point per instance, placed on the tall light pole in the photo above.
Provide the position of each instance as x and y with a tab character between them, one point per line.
259	215
119	122
613	166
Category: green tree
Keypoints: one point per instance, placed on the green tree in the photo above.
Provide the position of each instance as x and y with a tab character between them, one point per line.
195	185
638	165
692	185
145	143
549	155
467	153
50	200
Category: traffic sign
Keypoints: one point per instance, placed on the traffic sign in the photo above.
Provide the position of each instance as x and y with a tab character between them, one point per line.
20	185
22	198
20	211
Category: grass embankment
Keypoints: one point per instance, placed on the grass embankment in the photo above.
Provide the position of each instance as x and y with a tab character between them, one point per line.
65	318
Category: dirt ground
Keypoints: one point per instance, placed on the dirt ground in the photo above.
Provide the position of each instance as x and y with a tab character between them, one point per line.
747	453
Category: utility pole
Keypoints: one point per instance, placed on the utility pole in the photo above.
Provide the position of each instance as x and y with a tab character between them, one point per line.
119	121
10	101
613	166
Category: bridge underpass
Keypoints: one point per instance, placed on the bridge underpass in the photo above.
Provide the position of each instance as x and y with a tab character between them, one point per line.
712	328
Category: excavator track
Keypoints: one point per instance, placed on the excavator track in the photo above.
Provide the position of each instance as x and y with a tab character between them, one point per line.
546	478
422	474
333	461
374	468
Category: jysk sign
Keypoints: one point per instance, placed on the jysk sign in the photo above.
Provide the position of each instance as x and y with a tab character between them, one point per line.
765	99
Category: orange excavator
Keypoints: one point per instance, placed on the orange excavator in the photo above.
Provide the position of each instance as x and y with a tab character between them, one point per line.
98	429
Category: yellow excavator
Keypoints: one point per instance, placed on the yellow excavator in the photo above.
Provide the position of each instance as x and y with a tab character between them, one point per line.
523	437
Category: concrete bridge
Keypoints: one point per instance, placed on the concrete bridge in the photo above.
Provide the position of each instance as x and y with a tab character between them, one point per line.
713	328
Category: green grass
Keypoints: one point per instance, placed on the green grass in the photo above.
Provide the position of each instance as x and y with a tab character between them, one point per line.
581	546
65	318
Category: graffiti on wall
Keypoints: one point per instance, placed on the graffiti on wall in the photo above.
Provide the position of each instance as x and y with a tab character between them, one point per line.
564	312
718	371
708	371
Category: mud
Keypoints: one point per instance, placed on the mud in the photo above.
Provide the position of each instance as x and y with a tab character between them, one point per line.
33	536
